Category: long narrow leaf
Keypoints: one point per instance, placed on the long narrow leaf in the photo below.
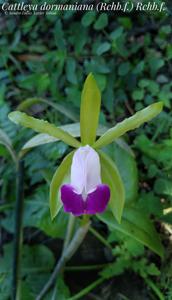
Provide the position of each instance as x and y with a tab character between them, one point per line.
23	106
111	176
131	123
43	127
90	108
58	179
136	225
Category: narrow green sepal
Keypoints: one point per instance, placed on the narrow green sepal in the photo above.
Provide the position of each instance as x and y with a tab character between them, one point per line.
89	111
43	127
128	124
57	180
111	176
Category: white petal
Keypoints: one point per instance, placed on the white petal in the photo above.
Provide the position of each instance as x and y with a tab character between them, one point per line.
85	170
92	171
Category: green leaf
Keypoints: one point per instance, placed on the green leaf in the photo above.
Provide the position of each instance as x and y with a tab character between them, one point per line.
153	270
35	258
101	80
63	291
90	109
38	81
104	47
161	153
153	87
59	36
43	127
143	83
37	214
60	289
24	105
155	64
101	22
37	262
126	22
138	94
111	176
88	18
59	175
163	186
127	168
116	268
117	33
128	124
139	68
71	70
43	138
136	225
55	228
124	68
151	204
26	291
5	271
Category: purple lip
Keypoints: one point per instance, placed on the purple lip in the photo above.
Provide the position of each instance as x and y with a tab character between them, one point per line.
96	202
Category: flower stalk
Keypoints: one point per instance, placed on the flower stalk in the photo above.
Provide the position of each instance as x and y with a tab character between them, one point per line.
67	253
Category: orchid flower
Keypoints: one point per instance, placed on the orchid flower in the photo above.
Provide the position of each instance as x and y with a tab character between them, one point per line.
86	194
94	178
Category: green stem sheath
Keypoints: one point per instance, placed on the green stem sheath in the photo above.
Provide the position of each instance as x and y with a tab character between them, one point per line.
18	235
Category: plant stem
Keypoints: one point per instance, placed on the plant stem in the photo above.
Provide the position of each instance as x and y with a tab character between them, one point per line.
69	231
85	268
156	290
100	238
18	235
66	255
87	289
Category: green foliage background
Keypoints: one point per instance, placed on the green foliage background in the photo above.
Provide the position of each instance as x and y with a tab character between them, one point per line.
48	58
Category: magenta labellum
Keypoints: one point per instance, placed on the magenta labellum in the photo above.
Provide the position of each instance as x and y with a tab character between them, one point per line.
86	194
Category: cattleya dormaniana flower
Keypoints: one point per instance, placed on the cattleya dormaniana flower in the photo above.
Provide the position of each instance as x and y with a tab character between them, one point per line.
94	178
